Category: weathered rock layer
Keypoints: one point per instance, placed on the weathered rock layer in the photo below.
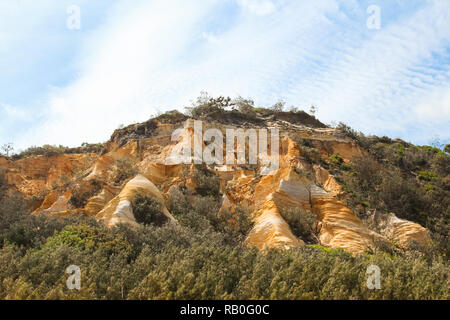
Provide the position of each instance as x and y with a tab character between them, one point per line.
50	183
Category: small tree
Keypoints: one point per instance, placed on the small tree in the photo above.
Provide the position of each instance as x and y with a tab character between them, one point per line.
278	107
205	105
313	110
293	109
447	148
436	142
347	131
7	148
243	105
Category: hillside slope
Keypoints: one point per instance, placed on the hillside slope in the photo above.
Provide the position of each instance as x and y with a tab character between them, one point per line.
312	180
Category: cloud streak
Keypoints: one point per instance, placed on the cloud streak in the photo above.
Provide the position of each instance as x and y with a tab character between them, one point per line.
155	56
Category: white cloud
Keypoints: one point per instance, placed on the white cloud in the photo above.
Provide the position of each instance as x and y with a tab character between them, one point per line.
211	37
144	58
435	106
375	85
13	113
161	54
259	7
120	71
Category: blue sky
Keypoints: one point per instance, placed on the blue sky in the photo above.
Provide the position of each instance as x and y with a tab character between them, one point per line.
131	59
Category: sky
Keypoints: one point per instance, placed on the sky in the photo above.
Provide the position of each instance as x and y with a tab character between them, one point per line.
72	71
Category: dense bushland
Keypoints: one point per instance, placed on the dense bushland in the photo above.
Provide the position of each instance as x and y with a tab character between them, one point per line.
394	176
201	258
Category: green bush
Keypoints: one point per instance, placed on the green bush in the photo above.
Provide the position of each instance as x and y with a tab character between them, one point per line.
347	131
206	105
171	116
336	159
89	238
427	175
311	155
208	183
51	150
123	170
441	164
19	227
46	150
302	223
197	261
245	106
79	199
447	148
234	224
148	211
385	179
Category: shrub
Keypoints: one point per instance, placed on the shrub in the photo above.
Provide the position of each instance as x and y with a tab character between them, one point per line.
429	149
18	226
245	106
197	262
13	212
389	186
441	164
311	155
347	131
278	107
306	143
89	238
206	105
171	116
148	211
416	158
234	223
79	199
302	223
447	148
123	170
367	175
46	150
427	175
134	132
199	213
208	183
263	111
336	159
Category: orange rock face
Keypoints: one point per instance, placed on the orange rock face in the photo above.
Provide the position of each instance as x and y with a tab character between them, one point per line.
270	230
119	209
404	233
340	228
297	184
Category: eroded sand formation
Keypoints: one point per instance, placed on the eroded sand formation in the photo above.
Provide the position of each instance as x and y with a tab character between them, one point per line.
47	182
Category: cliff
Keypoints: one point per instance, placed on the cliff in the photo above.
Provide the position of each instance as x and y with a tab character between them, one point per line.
137	160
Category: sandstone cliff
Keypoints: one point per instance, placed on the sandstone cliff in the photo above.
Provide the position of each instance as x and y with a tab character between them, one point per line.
51	183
